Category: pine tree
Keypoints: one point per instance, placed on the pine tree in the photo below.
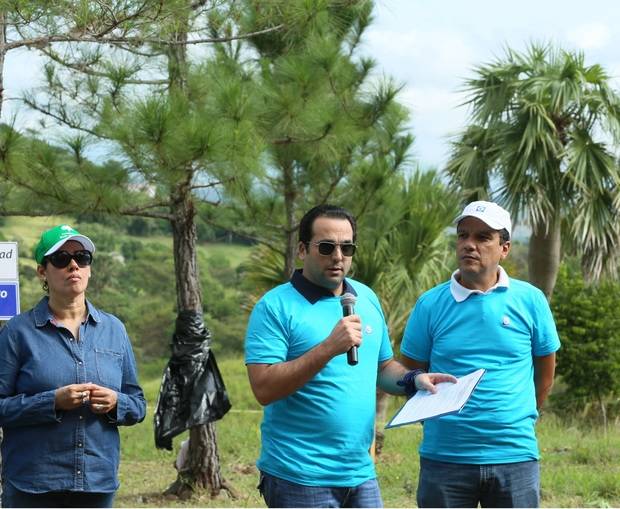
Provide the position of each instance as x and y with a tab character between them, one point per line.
334	131
128	78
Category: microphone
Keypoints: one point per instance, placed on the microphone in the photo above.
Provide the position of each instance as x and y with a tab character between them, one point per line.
347	301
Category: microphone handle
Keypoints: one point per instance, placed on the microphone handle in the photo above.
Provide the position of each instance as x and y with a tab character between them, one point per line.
352	353
352	356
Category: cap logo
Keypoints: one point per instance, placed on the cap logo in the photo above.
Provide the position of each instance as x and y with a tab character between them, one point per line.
66	227
480	208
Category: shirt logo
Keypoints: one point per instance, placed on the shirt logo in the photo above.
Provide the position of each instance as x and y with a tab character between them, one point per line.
505	321
368	329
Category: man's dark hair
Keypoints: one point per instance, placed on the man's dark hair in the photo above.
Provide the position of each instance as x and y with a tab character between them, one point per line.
332	211
504	236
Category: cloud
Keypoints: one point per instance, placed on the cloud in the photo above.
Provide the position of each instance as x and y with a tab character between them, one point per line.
429	100
434	54
590	36
613	70
436	115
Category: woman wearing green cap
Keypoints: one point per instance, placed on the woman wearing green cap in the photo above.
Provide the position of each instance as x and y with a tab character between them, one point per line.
67	381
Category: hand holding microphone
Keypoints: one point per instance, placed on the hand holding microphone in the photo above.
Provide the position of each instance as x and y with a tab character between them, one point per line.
347	334
347	301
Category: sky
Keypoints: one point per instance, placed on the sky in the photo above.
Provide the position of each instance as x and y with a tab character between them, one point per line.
431	47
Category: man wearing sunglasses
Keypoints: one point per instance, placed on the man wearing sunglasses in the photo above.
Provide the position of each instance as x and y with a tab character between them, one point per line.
487	454
319	411
67	381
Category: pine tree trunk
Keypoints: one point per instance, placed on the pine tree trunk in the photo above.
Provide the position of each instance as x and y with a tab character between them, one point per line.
204	462
544	256
291	230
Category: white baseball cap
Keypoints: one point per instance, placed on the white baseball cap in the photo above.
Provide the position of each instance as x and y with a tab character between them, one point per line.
490	213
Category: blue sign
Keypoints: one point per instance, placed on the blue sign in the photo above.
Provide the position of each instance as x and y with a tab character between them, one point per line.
9	300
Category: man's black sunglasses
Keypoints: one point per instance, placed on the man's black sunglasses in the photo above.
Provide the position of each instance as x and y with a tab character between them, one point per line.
60	259
327	247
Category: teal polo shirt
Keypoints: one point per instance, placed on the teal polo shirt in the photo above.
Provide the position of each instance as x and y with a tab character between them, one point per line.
321	434
500	331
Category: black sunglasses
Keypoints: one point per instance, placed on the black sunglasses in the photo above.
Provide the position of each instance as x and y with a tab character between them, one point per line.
327	247
60	259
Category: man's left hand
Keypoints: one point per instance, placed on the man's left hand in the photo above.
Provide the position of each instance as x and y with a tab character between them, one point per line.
418	380
428	381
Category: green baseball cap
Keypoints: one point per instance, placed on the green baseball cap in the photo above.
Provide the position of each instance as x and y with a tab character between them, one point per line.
51	240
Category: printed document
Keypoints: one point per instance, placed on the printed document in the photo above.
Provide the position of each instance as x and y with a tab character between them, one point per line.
449	398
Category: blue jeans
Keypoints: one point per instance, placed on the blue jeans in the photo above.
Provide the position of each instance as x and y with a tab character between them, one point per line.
12	497
279	492
463	485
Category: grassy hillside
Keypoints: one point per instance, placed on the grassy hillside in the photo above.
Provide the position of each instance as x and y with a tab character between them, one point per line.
133	278
580	465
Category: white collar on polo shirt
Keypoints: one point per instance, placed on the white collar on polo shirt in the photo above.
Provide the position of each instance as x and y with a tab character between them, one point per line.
460	293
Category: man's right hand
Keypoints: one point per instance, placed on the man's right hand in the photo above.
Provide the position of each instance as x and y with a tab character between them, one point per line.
72	396
271	382
346	333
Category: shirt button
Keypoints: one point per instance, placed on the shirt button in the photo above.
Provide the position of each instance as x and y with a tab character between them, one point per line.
79	472
80	363
79	444
81	417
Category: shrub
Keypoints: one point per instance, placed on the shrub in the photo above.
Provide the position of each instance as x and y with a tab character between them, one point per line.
588	321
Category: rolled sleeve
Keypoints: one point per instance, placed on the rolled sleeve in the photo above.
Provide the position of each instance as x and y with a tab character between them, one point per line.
545	340
266	337
417	341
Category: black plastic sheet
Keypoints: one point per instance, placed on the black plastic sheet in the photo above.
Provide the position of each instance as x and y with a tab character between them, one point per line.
192	390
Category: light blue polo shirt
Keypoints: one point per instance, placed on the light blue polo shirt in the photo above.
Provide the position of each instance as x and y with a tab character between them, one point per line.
459	332
321	434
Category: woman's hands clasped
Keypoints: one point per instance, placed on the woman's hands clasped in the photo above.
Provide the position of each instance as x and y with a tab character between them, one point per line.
101	399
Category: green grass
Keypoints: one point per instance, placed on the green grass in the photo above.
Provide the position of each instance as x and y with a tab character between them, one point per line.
145	472
580	465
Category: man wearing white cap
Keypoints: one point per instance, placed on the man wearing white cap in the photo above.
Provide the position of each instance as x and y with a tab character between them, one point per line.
487	454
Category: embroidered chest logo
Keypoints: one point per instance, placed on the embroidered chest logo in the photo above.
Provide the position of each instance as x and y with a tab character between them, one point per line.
505	321
368	329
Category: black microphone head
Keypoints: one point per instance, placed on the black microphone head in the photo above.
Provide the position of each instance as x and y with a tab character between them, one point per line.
348	299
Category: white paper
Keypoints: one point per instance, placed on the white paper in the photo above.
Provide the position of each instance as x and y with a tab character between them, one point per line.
449	398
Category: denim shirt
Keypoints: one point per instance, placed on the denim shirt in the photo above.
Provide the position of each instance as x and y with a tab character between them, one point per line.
75	450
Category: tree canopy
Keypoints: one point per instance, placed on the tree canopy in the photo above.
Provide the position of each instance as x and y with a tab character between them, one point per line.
541	142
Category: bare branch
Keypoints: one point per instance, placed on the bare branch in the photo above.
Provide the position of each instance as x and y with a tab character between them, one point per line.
213	184
134	51
85	69
144	213
291	140
39	42
63	120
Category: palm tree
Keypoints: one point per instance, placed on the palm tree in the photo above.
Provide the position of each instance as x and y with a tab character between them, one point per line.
539	142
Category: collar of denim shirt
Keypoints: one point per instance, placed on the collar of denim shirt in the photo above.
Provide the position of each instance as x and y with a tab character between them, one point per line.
43	313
